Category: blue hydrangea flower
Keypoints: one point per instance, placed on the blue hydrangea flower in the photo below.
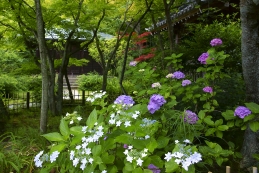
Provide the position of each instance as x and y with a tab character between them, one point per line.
155	102
125	101
207	89
203	57
216	42
186	82
190	117
133	63
242	112
178	75
153	168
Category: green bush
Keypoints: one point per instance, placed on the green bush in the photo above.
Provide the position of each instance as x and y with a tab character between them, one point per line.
93	82
8	84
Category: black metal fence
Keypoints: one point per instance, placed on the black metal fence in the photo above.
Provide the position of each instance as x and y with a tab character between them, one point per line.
18	101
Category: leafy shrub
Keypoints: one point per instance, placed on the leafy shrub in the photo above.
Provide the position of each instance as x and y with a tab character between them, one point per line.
8	84
93	82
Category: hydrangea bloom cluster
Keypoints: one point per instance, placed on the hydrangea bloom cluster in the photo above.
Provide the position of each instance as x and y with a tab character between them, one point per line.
73	118
147	122
40	158
133	155
186	82
133	63
125	101
190	117
82	155
207	89
156	85
242	112
123	118
203	57
216	42
153	168
95	95
155	102
178	75
185	156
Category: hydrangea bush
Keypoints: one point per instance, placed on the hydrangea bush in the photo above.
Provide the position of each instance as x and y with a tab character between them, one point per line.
140	132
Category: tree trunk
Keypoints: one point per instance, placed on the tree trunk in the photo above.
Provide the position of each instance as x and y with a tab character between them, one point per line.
69	87
170	28
44	68
250	63
52	75
3	110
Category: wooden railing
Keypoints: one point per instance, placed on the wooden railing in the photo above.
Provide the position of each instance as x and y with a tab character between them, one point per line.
228	170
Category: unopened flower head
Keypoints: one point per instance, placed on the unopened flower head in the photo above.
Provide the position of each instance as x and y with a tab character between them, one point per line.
190	117
203	57
207	89
170	75
242	112
133	63
178	75
216	42
156	85
186	82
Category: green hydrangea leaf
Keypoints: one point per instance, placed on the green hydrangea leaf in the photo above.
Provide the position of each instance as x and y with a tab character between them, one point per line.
254	126
54	137
92	119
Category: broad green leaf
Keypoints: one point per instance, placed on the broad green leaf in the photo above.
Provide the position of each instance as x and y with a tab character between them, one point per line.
249	117
137	170
152	145
171	166
107	159
76	130
77	139
218	122
201	115
124	139
157	161
147	171
228	115
222	127
254	126
162	141
64	130
59	147
210	144
210	131
253	107
92	119
96	151
208	121
218	149
53	137
113	169
128	167
219	134
219	160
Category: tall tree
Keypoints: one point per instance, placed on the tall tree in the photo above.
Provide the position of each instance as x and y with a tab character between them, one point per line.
40	35
250	63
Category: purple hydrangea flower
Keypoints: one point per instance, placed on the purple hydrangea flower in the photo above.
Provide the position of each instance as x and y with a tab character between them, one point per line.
216	42
186	82
155	102
124	100
178	75
153	168
133	63
242	112
125	146
190	117
203	57
207	89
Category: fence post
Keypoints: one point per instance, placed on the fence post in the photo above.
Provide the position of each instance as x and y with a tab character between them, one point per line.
227	169
28	100
83	97
254	169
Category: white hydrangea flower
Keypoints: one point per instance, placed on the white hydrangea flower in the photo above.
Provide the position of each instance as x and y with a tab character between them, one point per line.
53	156
139	162
127	124
168	156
